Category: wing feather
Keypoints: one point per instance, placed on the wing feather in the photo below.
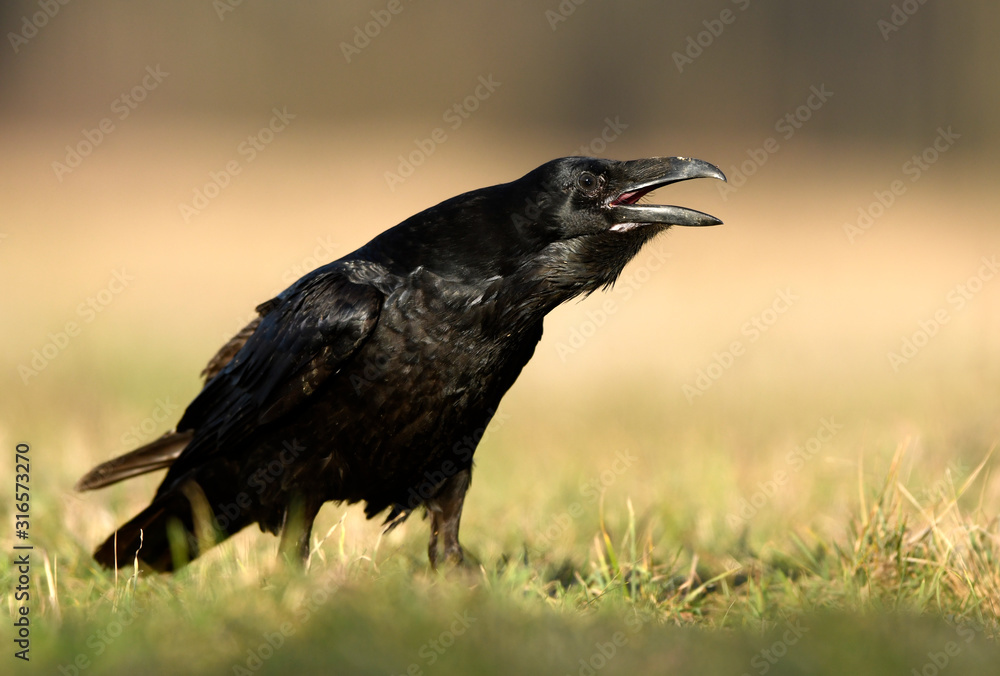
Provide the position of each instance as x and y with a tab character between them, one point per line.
302	340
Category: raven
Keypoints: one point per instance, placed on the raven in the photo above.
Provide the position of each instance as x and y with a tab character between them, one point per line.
373	377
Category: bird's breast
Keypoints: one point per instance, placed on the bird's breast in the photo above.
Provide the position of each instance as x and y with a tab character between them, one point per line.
428	379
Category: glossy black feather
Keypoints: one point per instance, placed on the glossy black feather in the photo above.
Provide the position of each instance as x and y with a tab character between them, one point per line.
372	378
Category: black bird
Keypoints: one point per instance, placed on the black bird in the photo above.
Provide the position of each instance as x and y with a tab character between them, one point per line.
372	378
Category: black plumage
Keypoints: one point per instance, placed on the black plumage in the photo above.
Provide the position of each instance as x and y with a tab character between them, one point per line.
372	378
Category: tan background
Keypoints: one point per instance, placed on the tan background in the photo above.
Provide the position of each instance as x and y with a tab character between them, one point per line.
318	190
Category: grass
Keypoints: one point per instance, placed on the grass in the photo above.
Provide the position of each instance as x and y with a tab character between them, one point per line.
615	526
596	577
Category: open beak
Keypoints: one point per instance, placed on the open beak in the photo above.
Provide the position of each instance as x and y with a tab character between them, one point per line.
644	176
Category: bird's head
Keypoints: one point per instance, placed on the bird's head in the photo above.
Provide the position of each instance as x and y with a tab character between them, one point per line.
584	214
575	215
575	196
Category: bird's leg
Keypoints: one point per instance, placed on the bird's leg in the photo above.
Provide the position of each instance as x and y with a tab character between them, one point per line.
446	513
296	531
432	546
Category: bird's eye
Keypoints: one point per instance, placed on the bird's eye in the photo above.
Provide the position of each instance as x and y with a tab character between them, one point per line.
588	182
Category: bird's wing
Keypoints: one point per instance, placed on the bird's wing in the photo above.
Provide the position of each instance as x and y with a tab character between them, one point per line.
163	451
229	350
302	340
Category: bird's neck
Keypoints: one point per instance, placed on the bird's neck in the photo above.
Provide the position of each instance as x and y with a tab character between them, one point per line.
563	271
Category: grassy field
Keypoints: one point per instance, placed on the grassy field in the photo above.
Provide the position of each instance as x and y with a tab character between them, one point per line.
718	467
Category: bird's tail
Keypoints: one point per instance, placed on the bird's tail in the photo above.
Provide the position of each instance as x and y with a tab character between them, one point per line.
177	527
156	455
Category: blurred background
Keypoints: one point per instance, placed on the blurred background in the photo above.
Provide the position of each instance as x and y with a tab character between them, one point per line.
168	166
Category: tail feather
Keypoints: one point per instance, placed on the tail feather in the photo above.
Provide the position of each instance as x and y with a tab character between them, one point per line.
156	455
146	536
186	511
